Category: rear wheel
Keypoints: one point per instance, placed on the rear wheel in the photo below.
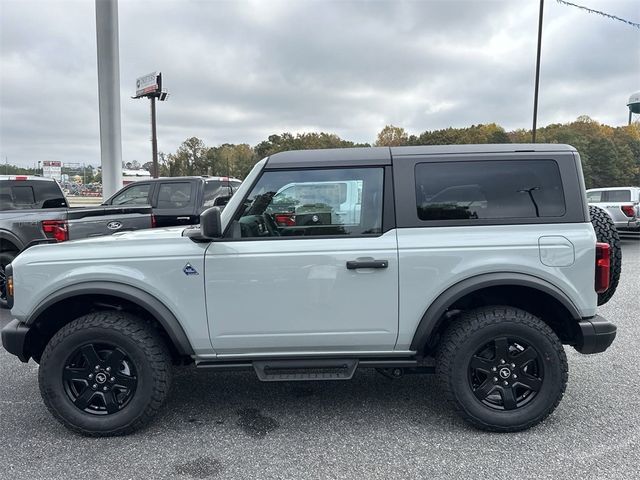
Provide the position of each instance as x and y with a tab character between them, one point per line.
606	232
502	368
106	373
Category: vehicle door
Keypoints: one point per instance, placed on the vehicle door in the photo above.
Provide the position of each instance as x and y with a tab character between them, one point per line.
317	286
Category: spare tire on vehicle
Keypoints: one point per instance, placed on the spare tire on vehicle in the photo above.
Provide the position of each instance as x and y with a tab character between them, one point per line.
606	232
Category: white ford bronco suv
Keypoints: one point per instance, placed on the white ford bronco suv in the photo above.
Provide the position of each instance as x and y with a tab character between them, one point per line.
476	262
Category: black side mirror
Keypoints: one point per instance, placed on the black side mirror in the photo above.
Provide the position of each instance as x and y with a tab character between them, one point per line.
210	224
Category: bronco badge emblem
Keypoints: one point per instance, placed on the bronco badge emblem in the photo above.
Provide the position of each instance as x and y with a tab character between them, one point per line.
189	270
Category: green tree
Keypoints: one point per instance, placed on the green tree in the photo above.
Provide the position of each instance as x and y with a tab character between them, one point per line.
392	136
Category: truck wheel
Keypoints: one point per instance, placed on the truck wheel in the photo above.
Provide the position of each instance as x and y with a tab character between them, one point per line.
105	373
502	368
607	232
5	259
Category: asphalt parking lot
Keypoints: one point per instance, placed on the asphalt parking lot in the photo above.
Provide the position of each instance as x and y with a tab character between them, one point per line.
230	425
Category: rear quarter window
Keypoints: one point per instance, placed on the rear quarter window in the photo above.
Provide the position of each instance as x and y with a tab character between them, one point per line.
500	189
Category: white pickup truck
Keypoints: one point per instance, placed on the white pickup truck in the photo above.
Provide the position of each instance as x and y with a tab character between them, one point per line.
621	203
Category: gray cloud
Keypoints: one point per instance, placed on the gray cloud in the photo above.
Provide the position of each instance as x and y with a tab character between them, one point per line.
239	71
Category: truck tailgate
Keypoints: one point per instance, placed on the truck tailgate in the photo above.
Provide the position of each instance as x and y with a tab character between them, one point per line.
104	220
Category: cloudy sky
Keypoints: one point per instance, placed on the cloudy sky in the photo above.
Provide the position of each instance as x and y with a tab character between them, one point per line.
239	71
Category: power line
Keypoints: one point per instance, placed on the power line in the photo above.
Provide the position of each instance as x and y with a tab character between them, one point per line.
590	10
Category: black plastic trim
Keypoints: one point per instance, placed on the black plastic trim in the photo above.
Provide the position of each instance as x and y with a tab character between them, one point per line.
126	292
331	157
597	334
14	336
12	238
432	316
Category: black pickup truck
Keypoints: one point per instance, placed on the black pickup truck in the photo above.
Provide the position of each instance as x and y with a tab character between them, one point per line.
34	210
177	200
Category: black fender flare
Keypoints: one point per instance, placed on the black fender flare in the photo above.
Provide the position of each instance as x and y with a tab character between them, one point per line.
431	318
155	307
12	238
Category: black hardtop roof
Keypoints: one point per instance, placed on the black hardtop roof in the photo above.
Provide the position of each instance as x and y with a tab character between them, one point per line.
382	155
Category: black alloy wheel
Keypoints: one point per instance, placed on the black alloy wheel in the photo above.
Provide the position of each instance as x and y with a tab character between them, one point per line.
105	373
506	373
99	379
502	368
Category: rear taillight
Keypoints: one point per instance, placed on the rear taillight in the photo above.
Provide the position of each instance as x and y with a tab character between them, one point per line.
603	265
57	229
153	221
628	210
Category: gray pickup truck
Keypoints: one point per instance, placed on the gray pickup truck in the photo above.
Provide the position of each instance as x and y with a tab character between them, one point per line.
34	210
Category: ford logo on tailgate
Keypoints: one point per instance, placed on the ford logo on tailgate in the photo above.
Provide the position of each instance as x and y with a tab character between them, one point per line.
114	225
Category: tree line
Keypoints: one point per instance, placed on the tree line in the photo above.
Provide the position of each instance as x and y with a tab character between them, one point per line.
610	155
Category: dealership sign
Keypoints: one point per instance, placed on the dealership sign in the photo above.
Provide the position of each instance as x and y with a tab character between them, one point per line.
149	84
52	169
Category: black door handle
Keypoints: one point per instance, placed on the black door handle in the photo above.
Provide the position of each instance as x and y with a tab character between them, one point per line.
353	264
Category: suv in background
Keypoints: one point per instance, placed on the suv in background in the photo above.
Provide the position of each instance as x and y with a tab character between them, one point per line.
621	203
177	200
317	203
476	262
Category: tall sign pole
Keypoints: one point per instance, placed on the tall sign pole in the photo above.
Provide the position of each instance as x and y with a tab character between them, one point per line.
109	95
535	93
150	86
154	138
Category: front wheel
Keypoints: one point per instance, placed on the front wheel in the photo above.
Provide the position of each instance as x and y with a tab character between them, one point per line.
502	368
106	373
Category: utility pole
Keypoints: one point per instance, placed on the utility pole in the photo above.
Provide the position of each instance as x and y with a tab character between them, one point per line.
109	95
535	93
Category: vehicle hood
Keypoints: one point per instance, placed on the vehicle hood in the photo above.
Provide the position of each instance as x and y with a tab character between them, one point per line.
145	243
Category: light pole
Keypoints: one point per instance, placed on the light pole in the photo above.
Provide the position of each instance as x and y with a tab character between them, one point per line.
109	95
535	92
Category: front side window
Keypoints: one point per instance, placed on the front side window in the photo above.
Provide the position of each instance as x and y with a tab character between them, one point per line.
136	195
489	190
303	203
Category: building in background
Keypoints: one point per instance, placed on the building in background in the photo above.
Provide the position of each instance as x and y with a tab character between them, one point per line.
129	176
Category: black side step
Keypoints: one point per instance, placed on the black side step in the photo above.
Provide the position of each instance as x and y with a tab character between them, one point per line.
299	370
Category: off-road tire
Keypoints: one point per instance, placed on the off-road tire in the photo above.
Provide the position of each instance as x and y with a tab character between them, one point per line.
6	258
607	232
142	344
476	328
